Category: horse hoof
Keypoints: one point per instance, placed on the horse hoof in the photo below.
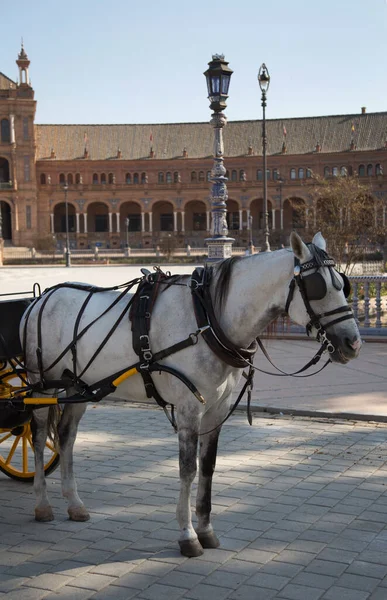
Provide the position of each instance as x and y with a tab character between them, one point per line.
191	548
44	514
208	539
78	514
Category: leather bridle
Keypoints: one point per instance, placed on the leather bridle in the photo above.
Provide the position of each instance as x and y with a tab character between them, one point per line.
299	279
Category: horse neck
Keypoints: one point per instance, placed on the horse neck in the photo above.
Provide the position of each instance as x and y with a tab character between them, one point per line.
257	295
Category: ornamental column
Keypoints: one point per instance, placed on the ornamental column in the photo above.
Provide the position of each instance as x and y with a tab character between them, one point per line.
85	222
77	222
52	222
118	222
150	222
12	127
182	221
208	220
240	220
273	219
110	222
174	221
142	222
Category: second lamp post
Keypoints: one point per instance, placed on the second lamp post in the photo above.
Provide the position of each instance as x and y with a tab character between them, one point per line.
264	82
68	253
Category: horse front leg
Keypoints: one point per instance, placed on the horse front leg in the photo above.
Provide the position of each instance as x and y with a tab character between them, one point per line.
188	444
39	429
207	461
67	433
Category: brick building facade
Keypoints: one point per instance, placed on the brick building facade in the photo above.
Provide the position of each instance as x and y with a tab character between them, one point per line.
157	176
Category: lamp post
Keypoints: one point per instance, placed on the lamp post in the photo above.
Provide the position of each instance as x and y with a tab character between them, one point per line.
251	233
280	181
218	77
127	221
264	82
67	254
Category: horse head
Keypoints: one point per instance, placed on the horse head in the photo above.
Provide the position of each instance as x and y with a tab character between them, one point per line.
318	299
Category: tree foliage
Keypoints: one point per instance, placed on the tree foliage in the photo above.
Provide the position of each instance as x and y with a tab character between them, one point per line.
348	216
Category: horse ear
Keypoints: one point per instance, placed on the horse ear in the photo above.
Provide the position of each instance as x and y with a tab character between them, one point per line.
319	241
299	248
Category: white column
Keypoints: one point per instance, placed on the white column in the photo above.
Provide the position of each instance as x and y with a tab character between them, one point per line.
52	222
150	223
208	220
118	222
12	127
77	222
282	219
240	220
273	218
142	222
174	221
85	222
248	217
182	221
110	222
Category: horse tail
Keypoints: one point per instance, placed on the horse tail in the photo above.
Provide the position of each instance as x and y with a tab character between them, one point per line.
54	417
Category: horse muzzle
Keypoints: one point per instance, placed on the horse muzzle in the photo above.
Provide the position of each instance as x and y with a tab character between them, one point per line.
346	348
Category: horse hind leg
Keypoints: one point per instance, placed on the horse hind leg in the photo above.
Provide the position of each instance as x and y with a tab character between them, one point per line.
188	441
67	433
39	428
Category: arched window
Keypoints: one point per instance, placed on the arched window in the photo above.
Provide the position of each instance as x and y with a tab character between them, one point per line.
128	179
292	173
176	177
135	178
143	178
161	177
209	175
77	178
62	178
111	178
301	173
308	173
275	174
361	171
378	169
242	175
370	170
343	171
70	179
234	175
193	176
267	173
95	179
42	179
201	176
228	174
103	178
168	177
327	171
335	171
5	131
259	175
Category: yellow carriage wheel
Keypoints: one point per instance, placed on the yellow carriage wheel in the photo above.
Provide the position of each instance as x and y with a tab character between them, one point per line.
17	454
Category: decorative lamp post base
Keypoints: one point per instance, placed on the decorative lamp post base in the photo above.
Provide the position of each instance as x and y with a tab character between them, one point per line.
219	248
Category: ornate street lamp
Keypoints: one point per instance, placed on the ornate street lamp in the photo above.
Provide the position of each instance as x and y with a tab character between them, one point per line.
218	77
68	253
127	221
264	82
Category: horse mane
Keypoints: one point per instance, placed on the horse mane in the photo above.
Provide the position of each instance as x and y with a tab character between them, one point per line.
223	270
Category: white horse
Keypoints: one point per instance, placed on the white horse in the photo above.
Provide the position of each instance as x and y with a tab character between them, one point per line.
258	290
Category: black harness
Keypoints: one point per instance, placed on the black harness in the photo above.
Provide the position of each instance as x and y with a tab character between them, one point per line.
140	306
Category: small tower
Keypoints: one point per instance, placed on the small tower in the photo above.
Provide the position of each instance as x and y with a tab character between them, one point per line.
23	63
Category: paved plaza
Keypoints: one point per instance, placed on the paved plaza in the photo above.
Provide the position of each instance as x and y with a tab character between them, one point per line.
299	502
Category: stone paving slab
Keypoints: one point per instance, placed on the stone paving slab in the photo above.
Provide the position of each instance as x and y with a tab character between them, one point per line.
299	505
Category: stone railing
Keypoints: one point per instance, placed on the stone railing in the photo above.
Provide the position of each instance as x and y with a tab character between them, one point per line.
370	309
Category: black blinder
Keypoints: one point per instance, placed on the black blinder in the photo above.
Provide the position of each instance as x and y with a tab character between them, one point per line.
315	286
347	285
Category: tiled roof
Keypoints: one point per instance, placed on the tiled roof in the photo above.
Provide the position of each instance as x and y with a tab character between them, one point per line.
6	82
332	133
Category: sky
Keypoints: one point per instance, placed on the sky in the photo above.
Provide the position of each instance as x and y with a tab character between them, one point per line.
126	61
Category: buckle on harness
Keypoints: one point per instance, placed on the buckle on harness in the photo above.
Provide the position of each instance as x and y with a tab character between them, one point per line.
197	283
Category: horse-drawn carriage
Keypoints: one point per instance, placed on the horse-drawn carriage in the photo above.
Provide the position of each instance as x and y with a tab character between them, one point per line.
16	447
177	335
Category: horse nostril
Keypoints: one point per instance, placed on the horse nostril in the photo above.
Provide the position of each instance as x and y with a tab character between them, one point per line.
354	343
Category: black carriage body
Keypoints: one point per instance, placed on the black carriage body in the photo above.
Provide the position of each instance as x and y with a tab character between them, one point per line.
11	312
